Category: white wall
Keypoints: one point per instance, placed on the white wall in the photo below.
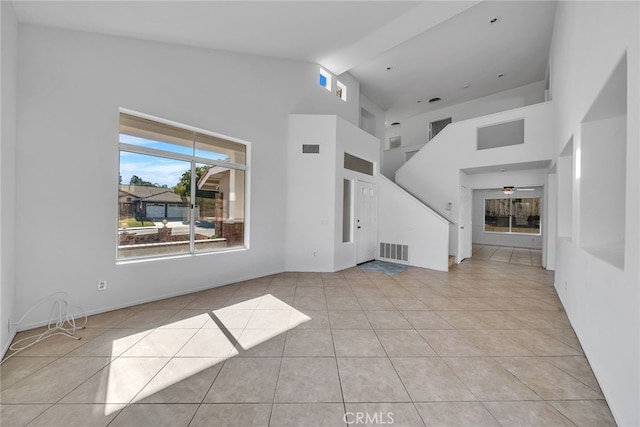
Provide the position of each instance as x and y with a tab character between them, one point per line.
601	300
396	157
551	215
415	130
70	88
8	79
501	239
403	220
314	190
310	202
433	174
379	125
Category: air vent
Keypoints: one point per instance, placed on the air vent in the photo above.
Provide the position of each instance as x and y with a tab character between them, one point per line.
311	148
394	251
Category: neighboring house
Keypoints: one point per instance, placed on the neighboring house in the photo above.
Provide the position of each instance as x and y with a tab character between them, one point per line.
151	202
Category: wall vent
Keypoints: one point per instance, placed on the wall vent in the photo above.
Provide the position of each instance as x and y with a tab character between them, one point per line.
311	148
394	251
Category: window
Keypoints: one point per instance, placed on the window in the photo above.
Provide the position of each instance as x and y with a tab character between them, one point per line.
325	80
346	211
181	190
395	141
437	126
409	154
357	164
341	90
512	215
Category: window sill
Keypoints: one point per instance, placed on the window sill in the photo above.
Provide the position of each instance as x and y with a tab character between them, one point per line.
136	260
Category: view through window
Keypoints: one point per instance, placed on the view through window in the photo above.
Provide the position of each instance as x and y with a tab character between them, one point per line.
512	215
180	190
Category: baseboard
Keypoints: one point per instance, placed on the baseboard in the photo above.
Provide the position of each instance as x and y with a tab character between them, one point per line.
5	347
39	323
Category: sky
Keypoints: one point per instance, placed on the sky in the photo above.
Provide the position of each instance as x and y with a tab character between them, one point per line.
158	170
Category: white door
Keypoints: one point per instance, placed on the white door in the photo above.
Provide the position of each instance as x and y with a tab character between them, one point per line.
464	233
366	217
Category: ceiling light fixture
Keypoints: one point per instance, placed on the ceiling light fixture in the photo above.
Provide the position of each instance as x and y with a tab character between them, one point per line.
508	190
436	99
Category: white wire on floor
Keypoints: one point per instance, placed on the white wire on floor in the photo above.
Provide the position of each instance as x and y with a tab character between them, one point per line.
62	323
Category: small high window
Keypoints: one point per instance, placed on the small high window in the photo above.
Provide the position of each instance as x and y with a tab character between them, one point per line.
437	126
325	79
357	164
341	91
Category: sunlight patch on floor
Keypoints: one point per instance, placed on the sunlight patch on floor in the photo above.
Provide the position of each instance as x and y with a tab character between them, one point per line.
222	334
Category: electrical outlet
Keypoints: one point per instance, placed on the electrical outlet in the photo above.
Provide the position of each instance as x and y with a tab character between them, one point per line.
102	285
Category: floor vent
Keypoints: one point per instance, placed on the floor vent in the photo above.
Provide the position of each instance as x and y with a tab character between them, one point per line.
394	251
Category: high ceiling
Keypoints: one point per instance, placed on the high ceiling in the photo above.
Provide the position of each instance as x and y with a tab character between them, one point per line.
434	48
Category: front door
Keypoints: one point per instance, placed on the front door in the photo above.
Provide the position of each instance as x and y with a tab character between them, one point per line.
366	221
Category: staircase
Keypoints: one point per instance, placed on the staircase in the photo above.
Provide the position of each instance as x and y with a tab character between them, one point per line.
435	174
409	231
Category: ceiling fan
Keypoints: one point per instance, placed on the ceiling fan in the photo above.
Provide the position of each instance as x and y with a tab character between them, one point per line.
510	189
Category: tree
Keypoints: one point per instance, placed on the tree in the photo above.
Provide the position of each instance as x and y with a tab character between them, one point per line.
183	187
136	180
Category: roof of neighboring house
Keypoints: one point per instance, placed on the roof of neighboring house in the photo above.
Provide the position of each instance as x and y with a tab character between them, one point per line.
151	194
167	197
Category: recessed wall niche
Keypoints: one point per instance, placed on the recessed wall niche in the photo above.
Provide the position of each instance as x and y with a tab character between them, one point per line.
501	135
602	171
565	191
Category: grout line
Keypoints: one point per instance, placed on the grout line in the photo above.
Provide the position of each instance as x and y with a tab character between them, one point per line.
535	290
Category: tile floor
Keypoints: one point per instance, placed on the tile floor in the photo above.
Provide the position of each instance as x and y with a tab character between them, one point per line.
486	344
520	256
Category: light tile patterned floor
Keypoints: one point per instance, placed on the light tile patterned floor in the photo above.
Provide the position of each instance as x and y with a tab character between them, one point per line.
522	256
486	344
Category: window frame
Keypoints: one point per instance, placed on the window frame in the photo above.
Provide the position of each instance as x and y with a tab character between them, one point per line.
193	160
